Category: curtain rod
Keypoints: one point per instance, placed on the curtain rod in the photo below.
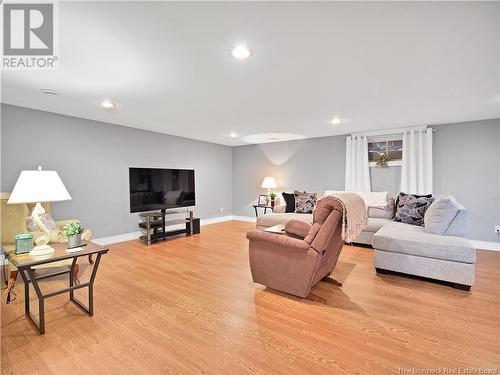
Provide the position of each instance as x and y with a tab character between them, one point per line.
391	131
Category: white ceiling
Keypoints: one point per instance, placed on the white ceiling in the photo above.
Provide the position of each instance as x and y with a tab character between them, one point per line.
169	69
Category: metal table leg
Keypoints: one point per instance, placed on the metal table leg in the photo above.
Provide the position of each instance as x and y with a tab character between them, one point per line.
71	277
148	230
41	302
90	308
26	292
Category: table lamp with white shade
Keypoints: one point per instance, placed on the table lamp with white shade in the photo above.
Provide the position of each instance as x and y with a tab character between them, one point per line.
269	183
35	187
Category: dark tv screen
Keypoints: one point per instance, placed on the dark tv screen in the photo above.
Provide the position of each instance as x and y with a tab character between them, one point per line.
158	189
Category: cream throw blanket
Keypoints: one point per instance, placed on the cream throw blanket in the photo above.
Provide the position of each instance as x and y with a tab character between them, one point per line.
355	218
372	198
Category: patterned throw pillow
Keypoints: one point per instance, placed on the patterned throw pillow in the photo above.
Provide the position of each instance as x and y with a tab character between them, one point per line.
410	209
305	202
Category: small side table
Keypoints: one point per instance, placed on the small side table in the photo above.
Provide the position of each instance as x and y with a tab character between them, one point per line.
255	206
26	262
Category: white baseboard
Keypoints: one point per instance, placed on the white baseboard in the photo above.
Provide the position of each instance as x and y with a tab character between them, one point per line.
118	238
214	220
244	218
135	235
485	245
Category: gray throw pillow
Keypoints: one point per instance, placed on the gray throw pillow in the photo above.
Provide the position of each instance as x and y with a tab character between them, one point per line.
305	202
440	214
410	209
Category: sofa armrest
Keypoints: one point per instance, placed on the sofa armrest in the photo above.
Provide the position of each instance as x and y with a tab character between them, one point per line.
278	239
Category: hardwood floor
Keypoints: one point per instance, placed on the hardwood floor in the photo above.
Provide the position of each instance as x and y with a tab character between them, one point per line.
188	305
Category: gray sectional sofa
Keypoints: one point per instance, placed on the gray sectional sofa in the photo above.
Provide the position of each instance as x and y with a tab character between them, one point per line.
438	250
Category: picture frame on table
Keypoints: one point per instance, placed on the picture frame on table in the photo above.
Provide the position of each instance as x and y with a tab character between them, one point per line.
262	201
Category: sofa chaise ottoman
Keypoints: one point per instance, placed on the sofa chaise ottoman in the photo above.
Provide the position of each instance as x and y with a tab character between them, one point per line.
437	250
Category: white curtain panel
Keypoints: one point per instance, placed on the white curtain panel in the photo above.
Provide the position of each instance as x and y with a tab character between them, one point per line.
416	171
357	169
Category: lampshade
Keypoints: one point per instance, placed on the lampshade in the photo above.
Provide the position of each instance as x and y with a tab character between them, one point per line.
269	183
38	186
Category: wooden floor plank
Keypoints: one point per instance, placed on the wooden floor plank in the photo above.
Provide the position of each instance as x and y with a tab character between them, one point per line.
188	305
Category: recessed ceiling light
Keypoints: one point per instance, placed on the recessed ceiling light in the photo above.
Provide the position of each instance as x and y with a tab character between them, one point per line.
336	121
240	52
107	104
233	135
50	91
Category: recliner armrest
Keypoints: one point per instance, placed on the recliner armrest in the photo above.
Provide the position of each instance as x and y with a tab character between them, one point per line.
297	228
278	239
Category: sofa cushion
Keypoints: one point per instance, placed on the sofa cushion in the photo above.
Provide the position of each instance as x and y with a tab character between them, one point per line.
410	209
375	223
378	212
269	220
305	202
413	240
386	212
458	226
441	214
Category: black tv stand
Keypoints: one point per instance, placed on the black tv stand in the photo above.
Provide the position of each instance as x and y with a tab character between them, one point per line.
154	224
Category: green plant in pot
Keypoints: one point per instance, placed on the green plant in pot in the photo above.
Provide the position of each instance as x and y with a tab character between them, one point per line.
383	160
74	233
272	197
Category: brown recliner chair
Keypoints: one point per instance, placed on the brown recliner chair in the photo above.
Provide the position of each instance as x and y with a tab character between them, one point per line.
295	261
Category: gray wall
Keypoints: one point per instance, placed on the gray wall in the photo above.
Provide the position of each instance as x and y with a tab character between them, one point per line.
92	159
315	164
466	165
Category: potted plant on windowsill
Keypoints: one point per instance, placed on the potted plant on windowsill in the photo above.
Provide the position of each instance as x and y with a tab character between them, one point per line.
74	233
383	160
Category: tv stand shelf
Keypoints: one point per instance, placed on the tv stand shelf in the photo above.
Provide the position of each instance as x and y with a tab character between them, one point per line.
154	224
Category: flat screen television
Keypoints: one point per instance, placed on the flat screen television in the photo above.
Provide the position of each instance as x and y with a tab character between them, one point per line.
160	189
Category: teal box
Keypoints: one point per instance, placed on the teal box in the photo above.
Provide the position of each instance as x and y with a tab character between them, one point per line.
24	243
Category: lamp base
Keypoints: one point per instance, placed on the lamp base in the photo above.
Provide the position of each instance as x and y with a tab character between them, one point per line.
36	215
41	250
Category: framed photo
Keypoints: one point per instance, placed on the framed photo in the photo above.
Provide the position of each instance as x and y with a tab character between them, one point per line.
262	200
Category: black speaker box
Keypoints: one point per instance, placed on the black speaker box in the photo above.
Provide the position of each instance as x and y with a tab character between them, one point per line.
196	226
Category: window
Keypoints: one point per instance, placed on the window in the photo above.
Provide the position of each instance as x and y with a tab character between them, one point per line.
394	148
